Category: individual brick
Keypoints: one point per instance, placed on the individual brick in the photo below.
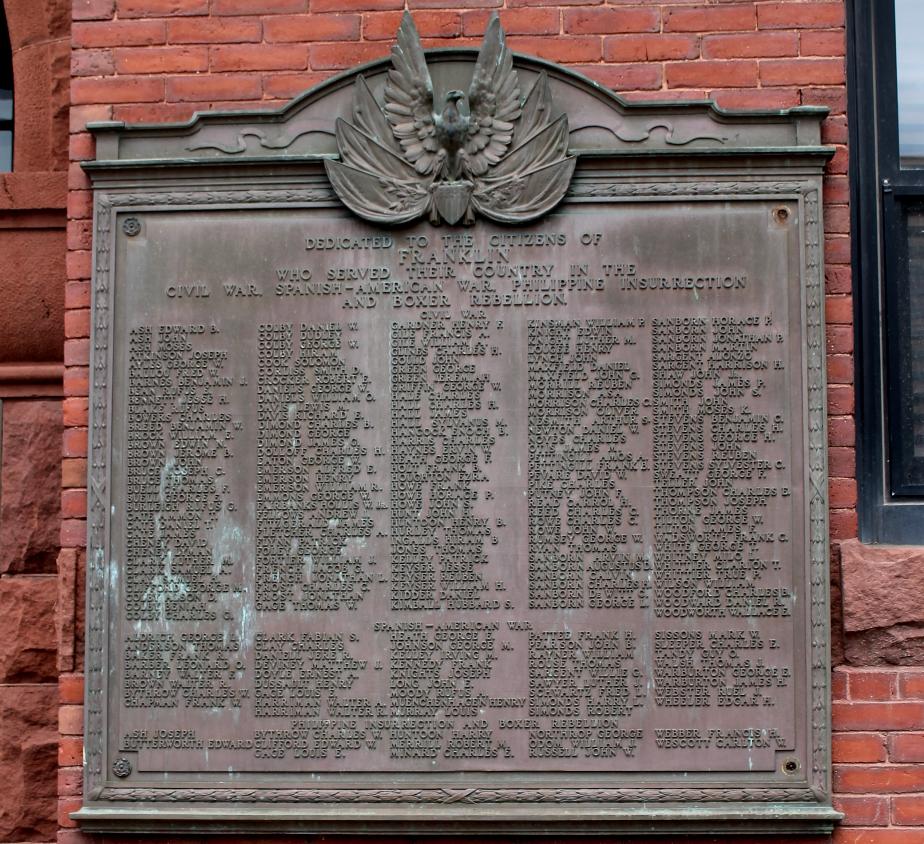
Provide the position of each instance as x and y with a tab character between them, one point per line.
74	503
210	88
906	747
310	28
220	30
514	21
789	15
127	33
865	810
365	5
567	49
872	685
634	76
611	21
752	45
878	779
160	8
70	688
894	715
340	56
92	63
73	473
70	751
161	60
908	810
802	72
70	720
858	747
724	17
257	7
650	48
756	98
117	89
712	74
824	43
237	57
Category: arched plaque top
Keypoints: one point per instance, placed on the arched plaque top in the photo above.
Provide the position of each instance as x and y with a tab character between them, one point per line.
600	122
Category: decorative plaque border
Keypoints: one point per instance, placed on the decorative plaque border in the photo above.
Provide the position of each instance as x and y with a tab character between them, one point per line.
110	204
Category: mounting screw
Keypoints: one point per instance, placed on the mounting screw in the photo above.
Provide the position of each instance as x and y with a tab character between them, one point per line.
781	214
790	766
121	767
131	226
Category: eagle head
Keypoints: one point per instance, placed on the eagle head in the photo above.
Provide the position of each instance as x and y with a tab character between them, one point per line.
454	122
451	132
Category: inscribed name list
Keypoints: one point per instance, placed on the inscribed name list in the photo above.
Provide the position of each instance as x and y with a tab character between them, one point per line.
460	499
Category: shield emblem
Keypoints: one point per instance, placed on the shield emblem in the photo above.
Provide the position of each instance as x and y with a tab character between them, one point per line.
451	199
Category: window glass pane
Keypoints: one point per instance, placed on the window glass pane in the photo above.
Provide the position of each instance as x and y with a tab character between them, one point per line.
905	338
6	130
909	54
6	55
916	326
6	97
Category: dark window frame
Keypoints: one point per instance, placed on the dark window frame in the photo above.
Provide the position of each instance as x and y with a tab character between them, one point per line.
891	504
6	85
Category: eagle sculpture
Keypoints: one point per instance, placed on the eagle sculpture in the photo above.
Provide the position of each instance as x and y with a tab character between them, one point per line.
491	151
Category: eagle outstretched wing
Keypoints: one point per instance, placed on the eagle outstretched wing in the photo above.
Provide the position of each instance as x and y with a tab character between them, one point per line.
409	101
370	178
534	174
493	100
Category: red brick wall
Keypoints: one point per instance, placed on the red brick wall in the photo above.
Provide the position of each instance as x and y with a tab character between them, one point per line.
878	753
154	60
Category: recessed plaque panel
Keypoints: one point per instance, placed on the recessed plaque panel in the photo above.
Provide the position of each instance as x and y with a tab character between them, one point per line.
477	526
442	501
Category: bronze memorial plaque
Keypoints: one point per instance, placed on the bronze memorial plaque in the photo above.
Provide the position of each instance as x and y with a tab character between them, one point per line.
446	485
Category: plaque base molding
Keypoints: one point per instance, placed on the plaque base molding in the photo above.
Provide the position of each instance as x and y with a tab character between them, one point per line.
494	819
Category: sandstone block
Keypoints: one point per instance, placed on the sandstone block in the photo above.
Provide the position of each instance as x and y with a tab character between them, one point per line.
882	585
902	644
27	629
30	486
28	762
